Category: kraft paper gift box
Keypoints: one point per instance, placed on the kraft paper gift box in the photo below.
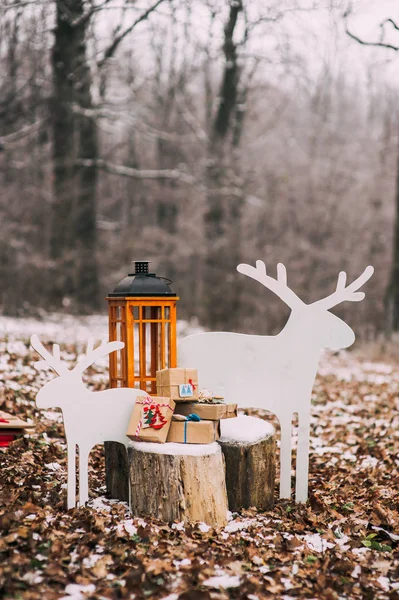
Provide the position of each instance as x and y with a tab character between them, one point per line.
194	432
207	412
179	384
151	419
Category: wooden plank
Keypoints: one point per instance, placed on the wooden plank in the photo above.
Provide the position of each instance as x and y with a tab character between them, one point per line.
130	346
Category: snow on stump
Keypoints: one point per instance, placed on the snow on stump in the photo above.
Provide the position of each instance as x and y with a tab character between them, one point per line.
249	450
183	482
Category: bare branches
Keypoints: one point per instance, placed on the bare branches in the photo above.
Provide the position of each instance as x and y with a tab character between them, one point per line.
159	174
381	43
110	51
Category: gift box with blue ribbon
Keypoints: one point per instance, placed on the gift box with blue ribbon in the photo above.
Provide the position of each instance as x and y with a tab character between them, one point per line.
191	429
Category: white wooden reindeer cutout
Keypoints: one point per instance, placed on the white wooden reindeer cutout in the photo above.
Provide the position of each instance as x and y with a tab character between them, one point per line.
90	418
276	372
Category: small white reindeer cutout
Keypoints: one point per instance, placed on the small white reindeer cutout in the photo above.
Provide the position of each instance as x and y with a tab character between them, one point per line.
276	372
90	418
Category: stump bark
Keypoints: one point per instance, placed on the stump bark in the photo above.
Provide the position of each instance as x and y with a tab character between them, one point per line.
248	446
249	450
116	471
178	482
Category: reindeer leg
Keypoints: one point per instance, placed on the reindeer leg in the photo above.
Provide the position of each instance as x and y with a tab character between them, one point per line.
83	475
302	457
285	457
71	475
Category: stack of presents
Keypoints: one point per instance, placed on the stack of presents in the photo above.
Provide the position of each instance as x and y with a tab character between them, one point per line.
180	413
11	428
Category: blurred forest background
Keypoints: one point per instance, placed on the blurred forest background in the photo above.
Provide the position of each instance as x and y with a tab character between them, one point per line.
199	134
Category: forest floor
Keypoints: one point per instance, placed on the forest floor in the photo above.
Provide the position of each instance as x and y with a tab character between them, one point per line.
342	544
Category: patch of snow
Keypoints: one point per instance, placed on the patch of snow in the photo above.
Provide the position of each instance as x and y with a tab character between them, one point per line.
175	449
53	466
223	581
245	430
33	577
171	597
127	526
369	462
182	563
91	561
203	527
78	592
330	449
356	571
51	415
238	525
384	583
360	551
102	503
178	526
316	543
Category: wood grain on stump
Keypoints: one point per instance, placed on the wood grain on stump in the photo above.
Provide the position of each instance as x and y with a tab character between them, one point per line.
178	482
248	446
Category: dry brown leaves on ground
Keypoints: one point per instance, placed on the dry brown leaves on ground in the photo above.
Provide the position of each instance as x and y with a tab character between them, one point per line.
342	544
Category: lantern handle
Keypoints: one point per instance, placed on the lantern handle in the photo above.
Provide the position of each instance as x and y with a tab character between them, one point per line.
168	281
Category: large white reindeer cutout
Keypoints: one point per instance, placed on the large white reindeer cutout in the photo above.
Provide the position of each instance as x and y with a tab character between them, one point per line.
90	418
276	372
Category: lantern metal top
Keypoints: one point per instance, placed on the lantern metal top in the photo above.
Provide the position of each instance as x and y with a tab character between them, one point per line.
142	283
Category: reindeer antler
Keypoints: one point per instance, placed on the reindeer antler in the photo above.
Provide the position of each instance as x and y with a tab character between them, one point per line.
346	294
49	360
277	286
93	355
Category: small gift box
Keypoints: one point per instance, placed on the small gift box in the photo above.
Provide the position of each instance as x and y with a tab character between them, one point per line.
151	419
179	384
207	412
191	430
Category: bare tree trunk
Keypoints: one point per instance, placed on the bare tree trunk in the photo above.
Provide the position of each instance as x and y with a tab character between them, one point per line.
392	293
73	239
222	217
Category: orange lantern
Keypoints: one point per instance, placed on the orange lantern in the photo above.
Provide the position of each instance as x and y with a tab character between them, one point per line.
142	314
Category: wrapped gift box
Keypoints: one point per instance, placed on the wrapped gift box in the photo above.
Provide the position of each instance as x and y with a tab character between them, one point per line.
151	419
207	412
179	384
194	432
8	421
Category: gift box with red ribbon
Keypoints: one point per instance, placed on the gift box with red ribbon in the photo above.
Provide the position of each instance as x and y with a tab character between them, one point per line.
151	418
179	384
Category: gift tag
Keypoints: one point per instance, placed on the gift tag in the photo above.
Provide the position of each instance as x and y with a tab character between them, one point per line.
186	390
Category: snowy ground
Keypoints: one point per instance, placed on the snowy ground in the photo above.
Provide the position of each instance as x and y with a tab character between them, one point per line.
342	544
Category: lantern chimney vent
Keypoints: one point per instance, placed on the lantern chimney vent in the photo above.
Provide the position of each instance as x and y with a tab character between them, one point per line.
140	266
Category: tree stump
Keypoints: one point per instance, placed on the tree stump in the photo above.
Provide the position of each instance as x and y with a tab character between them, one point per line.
116	471
249	450
183	482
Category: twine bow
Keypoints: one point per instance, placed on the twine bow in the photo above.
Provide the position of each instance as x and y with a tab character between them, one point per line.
147	401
